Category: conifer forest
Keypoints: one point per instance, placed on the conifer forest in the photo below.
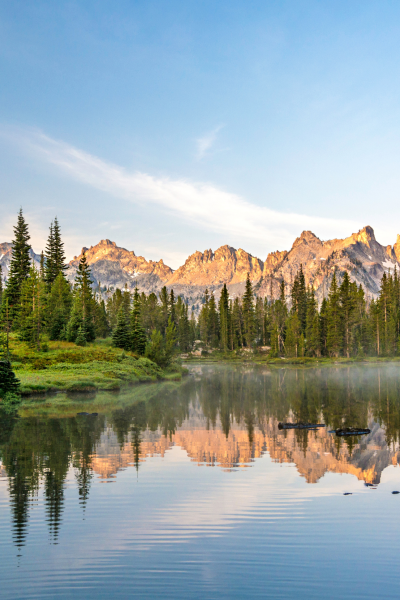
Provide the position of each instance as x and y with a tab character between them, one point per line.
41	305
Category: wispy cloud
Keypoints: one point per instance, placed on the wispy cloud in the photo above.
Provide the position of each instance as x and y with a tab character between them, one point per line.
206	142
204	205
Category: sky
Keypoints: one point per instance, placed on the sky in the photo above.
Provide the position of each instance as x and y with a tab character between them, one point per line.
170	127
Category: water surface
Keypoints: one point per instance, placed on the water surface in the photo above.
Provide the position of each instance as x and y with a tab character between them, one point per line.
115	505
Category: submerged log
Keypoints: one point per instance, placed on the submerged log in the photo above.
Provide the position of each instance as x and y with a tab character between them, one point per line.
299	425
352	431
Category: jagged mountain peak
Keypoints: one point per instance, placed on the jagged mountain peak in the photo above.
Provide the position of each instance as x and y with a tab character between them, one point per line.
307	237
225	265
366	235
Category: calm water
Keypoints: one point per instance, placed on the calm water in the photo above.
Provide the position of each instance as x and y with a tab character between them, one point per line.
191	491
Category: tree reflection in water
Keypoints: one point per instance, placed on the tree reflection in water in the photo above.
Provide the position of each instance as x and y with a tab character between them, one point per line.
39	451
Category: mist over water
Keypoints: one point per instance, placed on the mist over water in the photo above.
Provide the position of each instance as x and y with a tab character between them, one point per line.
115	504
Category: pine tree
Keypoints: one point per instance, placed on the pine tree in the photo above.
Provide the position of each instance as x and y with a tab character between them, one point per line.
164	309
348	303
80	339
323	326
333	338
248	313
82	314
183	325
31	318
58	310
293	332
277	321
42	266
237	325
113	305
203	318
171	306
170	340
121	337
213	323
8	381
260	330
137	332
19	267
55	256
1	285
126	301
224	320
49	266
101	322
313	333
155	348
60	265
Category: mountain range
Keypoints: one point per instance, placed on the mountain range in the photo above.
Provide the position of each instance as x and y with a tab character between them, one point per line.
359	254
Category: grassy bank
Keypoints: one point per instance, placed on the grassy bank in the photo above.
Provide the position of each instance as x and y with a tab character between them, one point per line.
70	368
263	358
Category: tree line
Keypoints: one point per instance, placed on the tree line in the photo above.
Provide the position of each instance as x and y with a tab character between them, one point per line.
41	304
346	324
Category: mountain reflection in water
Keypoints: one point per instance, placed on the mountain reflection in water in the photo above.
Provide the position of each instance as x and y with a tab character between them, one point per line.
221	416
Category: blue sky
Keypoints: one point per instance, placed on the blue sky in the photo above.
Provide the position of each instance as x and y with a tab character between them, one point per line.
171	127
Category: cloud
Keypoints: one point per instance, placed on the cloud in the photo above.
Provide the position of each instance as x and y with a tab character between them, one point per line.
203	205
204	143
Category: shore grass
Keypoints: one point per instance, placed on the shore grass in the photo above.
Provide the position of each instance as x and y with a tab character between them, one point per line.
263	358
70	368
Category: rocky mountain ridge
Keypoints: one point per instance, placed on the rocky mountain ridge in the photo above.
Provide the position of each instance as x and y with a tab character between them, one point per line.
359	254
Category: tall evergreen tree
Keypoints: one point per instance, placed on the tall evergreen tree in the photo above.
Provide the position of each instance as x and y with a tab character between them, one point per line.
313	333
31	318
299	298
49	266
8	381
19	267
82	314
248	313
59	303
213	323
59	255
1	285
102	327
164	309
138	334
333	338
237	325
224	319
171	306
121	337
55	256
293	333
348	304
203	318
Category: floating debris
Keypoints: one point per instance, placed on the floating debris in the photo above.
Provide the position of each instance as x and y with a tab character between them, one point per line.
348	494
352	431
299	425
395	492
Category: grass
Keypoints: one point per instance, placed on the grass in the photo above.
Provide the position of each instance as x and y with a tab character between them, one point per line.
264	359
70	368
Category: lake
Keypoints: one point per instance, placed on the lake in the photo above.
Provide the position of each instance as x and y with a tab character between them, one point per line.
190	490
